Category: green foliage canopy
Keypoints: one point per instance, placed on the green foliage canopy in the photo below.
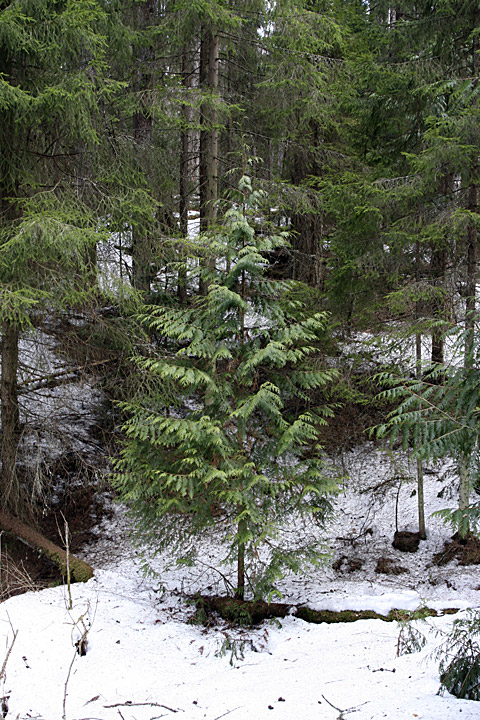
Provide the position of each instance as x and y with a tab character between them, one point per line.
221	442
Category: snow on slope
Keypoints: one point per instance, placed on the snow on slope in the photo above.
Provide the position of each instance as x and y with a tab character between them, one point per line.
144	661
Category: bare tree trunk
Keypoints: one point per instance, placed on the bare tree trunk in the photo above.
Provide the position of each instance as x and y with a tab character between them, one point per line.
209	65
10	415
470	305
212	156
464	496
184	186
418	352
240	590
203	147
421	501
142	133
470	290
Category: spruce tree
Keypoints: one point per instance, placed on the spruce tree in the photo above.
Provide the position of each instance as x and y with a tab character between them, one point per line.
226	435
53	87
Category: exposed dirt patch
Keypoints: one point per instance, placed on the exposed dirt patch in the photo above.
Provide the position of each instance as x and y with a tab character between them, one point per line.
74	500
388	566
467	552
346	564
23	569
406	541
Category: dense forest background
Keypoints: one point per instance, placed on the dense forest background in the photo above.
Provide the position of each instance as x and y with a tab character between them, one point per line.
347	136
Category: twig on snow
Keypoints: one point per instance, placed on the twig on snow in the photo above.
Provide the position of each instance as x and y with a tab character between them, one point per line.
344	712
129	703
227	713
64	716
4	666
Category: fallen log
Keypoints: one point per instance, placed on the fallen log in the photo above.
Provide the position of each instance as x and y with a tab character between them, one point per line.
80	571
252	612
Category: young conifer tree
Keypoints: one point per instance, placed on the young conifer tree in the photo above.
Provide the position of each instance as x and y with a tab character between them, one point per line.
227	444
437	417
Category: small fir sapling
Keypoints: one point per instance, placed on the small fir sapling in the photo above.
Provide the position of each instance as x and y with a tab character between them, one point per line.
410	638
436	416
219	439
459	657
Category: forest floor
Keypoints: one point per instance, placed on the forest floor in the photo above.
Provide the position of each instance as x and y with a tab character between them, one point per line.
144	660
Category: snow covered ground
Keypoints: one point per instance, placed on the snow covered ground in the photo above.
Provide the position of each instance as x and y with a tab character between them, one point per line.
144	661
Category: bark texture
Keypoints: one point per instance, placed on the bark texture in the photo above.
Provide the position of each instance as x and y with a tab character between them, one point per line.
10	415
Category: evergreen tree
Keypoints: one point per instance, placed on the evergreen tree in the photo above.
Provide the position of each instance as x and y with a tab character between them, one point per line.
53	84
437	416
222	436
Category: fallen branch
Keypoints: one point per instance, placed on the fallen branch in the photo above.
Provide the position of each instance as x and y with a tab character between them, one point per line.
344	712
4	666
65	687
80	570
227	713
60	377
129	703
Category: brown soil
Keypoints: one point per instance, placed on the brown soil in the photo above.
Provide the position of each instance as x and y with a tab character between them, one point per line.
388	566
23	569
346	564
467	552
79	504
406	541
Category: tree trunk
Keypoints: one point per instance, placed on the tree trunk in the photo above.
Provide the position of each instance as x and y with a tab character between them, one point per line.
184	185
464	496
142	134
421	502
212	155
470	288
208	162
240	590
10	415
418	352
438	268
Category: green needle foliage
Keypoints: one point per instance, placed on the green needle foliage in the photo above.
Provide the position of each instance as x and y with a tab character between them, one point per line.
459	657
224	435
437	416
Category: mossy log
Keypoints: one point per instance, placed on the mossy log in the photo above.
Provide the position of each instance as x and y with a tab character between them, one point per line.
247	612
80	571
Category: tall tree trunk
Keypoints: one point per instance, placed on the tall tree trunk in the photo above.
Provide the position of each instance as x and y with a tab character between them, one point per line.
240	589
209	66
142	134
10	415
470	305
420	490
9	489
464	496
418	352
470	288
212	155
438	268
184	184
